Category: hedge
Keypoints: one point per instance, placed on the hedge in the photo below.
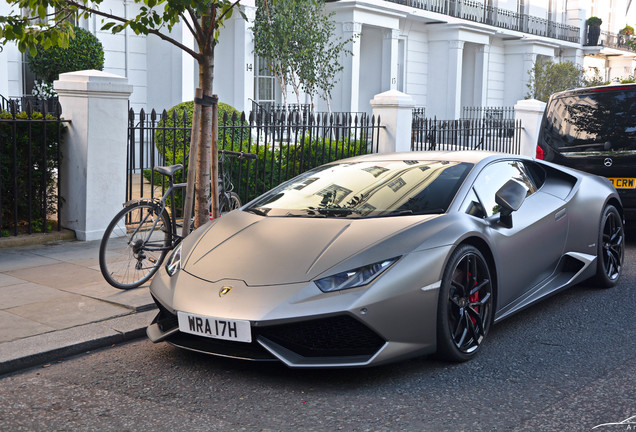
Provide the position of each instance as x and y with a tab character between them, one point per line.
34	171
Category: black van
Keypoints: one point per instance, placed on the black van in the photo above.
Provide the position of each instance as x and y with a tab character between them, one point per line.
594	130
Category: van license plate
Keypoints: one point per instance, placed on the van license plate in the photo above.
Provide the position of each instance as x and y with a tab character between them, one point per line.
213	327
623	183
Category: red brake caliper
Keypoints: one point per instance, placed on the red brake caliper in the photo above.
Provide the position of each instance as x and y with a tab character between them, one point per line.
474	299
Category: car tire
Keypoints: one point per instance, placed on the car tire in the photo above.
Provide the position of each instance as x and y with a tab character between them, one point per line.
610	248
465	305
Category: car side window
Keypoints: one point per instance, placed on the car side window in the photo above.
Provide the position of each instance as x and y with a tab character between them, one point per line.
494	176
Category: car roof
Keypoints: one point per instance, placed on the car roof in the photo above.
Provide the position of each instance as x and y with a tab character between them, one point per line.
470	156
598	89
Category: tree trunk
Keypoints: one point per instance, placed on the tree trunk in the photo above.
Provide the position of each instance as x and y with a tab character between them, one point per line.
192	167
203	181
214	159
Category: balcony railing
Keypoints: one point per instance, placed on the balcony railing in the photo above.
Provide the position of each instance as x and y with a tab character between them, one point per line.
615	40
477	12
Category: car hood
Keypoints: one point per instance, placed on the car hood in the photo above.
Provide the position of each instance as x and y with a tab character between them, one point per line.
282	250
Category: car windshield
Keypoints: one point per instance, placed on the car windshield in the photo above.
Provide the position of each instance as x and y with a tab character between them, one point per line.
602	120
366	189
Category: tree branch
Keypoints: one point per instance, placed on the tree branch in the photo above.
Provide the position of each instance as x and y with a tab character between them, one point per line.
198	31
155	32
220	18
187	24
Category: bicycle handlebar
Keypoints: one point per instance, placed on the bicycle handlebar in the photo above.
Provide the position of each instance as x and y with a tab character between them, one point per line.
239	155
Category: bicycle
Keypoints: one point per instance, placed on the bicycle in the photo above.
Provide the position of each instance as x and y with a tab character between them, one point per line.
140	236
229	200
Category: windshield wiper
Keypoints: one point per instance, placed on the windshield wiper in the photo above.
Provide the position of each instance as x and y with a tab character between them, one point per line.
256	211
406	213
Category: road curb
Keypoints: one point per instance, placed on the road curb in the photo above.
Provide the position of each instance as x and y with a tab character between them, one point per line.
28	352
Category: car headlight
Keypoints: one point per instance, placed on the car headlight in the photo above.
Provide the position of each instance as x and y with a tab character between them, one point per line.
174	262
354	278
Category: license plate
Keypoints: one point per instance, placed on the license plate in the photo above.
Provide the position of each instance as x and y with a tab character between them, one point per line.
213	327
623	183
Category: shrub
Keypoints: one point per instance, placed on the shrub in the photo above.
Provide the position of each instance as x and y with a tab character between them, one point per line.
277	161
35	167
285	161
594	21
172	137
627	30
547	77
84	51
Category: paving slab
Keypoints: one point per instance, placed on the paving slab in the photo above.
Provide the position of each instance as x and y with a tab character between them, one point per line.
15	327
12	260
68	311
6	280
54	303
61	275
26	292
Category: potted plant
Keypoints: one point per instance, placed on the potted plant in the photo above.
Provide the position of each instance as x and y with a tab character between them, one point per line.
593	30
627	31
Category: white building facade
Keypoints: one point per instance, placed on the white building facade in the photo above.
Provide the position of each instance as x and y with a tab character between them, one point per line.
445	54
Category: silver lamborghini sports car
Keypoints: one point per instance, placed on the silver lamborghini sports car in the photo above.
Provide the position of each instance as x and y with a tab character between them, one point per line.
381	257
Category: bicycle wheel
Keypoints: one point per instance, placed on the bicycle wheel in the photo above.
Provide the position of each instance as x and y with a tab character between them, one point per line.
229	203
134	245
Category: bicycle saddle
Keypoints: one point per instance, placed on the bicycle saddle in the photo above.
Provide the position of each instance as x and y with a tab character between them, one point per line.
168	170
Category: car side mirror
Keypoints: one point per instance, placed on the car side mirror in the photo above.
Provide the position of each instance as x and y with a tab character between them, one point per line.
510	197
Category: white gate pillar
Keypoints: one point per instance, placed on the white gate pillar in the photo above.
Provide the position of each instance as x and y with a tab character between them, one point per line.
93	169
395	110
530	112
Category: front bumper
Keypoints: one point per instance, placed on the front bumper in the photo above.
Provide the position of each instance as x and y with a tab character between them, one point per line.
301	326
338	341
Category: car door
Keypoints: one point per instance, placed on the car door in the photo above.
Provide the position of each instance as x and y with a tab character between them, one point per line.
529	251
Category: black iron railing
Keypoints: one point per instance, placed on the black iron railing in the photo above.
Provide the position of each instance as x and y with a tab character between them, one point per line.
478	12
286	145
496	135
29	168
488	113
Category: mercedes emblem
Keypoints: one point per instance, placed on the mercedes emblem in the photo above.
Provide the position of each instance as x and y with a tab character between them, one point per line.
607	162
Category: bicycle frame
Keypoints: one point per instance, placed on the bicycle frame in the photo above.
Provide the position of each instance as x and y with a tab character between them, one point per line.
175	238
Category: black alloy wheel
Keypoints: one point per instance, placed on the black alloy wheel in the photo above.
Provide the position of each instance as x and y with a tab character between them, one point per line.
465	306
611	248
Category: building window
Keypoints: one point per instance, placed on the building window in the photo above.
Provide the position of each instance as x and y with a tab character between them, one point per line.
266	92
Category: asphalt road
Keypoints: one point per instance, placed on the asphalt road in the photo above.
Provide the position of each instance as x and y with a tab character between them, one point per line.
567	364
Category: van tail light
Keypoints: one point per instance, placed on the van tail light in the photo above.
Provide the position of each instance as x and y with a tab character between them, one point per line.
540	153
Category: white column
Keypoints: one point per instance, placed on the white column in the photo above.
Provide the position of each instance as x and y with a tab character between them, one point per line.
530	112
244	41
574	55
93	171
390	59
518	65
481	75
351	80
4	72
188	64
395	111
445	79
